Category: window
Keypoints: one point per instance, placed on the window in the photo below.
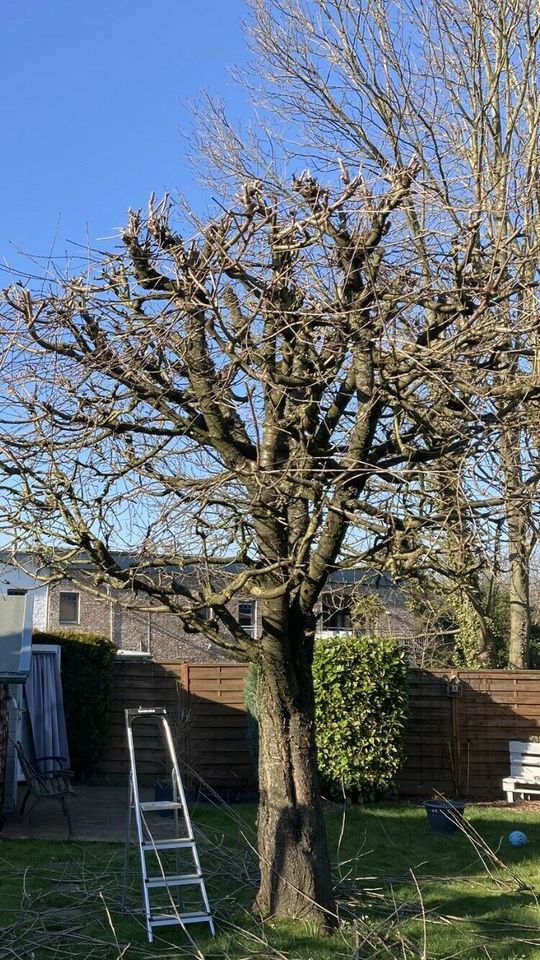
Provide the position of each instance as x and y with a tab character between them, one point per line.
246	616
336	613
68	611
16	592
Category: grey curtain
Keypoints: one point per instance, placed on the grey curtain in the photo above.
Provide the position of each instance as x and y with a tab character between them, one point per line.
43	691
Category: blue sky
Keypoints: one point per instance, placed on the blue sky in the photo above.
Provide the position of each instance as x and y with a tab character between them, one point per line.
93	100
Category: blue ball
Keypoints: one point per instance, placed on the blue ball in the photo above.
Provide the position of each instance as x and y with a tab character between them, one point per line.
517	838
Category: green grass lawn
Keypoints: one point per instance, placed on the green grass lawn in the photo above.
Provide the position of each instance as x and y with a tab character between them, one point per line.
399	886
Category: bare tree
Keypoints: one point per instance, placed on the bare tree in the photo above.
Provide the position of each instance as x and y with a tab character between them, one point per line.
247	403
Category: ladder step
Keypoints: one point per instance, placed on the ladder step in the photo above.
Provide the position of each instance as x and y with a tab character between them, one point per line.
160	805
175	843
145	712
181	880
161	920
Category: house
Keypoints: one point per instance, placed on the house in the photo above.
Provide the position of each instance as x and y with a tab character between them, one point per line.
66	605
379	604
19	581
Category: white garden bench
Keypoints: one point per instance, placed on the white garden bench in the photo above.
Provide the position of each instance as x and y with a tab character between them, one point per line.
524	776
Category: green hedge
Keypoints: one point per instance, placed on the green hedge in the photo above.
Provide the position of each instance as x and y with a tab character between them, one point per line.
86	683
360	710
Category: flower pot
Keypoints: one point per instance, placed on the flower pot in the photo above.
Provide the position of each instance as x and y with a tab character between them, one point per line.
444	816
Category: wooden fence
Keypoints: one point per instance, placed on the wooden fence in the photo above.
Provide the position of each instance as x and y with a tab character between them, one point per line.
206	708
457	745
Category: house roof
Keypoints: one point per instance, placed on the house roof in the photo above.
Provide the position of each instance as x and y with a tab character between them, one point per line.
363	575
349	576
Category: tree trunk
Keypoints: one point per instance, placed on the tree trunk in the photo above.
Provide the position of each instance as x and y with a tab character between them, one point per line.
517	519
294	861
520	616
473	634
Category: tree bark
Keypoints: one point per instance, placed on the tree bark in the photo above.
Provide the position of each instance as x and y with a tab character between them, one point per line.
294	860
520	614
517	520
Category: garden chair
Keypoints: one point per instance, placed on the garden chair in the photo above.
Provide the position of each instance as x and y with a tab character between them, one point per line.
44	784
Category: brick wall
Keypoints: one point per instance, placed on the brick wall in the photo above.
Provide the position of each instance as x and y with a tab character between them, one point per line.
159	634
94	613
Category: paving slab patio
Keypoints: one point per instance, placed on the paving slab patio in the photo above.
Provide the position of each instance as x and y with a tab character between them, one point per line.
97	813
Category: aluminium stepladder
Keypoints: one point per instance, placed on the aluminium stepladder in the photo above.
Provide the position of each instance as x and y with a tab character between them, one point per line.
183	839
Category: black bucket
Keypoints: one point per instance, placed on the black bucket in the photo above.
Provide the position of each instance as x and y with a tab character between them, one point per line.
444	816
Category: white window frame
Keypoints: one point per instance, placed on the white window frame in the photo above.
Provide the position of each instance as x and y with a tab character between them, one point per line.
250	628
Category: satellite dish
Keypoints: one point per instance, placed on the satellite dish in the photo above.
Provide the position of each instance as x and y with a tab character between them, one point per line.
15	638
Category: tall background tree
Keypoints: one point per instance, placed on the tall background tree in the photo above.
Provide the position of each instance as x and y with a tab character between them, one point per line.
457	84
287	385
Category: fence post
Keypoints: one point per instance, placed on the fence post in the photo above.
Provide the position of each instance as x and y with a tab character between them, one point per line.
185	705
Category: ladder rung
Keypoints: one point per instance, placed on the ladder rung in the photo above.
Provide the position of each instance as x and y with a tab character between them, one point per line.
160	805
161	920
175	843
145	712
178	881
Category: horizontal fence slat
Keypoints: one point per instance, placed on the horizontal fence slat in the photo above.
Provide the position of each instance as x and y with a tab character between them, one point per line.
208	721
455	746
